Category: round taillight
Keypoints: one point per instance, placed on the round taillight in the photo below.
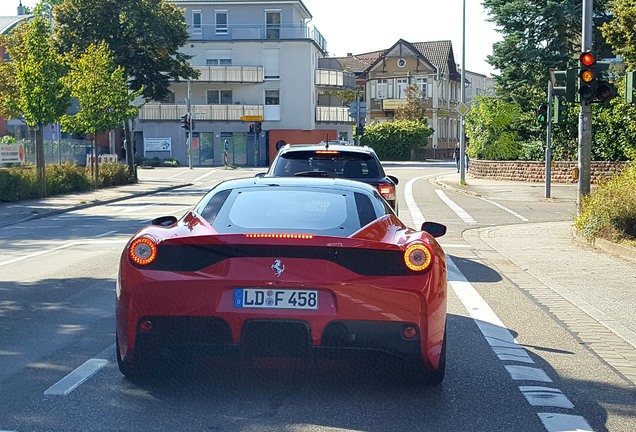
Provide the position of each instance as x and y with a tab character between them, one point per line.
143	251
418	257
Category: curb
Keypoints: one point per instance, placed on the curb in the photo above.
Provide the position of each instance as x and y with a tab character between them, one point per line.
627	252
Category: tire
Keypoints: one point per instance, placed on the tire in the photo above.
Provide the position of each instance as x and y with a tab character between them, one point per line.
134	370
422	373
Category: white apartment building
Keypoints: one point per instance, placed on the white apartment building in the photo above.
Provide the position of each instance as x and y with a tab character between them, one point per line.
262	65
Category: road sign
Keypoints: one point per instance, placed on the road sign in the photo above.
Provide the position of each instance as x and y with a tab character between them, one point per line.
252	118
463	109
357	110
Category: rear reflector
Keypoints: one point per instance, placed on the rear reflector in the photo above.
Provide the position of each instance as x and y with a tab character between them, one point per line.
145	326
418	257
280	236
409	332
142	251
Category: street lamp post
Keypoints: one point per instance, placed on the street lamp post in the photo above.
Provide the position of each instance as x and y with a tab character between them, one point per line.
462	128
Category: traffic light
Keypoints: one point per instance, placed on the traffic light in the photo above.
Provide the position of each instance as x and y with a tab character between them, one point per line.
542	113
259	127
629	86
568	92
587	84
559	110
360	129
185	121
252	128
593	87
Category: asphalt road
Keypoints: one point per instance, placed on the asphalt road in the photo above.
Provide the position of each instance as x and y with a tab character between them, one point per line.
514	362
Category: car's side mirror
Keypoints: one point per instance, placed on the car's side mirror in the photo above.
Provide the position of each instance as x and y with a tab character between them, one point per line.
393	179
164	221
433	228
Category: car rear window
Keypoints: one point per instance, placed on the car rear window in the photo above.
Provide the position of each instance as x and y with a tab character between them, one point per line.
316	211
330	164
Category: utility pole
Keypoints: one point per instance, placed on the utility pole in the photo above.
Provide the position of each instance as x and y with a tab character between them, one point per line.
548	143
189	132
585	118
462	129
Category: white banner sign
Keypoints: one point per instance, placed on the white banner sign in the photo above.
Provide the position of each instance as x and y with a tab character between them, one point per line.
11	153
158	144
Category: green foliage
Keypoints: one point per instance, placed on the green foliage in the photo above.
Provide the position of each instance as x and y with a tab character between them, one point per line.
491	127
18	183
67	178
620	33
102	92
144	35
156	162
610	210
7	139
396	140
114	174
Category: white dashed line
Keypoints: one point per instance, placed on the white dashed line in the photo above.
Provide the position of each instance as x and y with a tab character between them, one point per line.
545	396
527	373
512	212
564	423
73	380
463	214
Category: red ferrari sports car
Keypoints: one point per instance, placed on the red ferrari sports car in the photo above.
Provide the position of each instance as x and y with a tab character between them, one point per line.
284	267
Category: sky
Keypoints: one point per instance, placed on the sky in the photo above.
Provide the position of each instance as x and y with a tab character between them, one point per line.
359	26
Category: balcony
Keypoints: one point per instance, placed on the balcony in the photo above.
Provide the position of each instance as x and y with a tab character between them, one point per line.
393	104
173	112
335	78
209	32
230	74
333	114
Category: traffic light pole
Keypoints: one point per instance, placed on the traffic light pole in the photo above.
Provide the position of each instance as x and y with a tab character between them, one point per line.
189	132
585	118
548	144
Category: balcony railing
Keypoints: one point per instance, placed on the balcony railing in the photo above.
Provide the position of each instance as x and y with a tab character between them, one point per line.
231	74
199	112
333	114
209	32
335	78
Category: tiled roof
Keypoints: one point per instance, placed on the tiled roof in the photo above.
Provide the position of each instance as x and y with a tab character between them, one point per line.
7	23
439	53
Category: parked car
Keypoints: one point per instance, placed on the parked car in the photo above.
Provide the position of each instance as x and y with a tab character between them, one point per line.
340	161
284	268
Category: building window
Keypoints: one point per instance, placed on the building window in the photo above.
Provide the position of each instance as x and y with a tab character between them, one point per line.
402	84
218	57
219	97
271	63
220	21
422	86
272	25
401	62
272	97
384	89
196	21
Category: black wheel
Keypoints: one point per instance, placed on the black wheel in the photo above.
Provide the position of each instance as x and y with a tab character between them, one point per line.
133	370
423	373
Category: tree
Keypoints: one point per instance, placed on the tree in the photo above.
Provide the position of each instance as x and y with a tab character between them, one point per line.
620	33
144	36
414	108
101	89
491	129
34	90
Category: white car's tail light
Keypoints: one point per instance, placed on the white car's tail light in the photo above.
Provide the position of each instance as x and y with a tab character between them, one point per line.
418	257
142	251
387	191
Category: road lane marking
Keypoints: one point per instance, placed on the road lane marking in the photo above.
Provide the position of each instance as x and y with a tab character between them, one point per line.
205	175
564	423
65	246
545	396
463	214
512	212
73	380
527	373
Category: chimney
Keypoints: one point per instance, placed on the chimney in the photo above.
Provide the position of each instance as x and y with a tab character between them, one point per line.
20	9
349	54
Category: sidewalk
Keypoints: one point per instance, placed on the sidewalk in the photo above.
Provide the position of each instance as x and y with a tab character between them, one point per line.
12	213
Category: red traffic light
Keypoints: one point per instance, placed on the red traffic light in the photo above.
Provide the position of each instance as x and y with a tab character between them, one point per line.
587	59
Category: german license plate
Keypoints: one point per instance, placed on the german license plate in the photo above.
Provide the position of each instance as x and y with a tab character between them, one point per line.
275	299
